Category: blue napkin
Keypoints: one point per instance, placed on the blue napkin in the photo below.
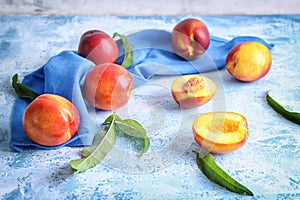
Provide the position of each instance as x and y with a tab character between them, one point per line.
64	75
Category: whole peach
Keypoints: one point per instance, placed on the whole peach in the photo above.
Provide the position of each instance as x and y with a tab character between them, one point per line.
108	86
190	38
249	61
98	47
50	120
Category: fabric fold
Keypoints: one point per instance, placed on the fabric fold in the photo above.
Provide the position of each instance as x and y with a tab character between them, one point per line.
63	75
153	55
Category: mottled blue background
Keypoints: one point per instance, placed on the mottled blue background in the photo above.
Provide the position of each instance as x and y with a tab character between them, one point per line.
268	164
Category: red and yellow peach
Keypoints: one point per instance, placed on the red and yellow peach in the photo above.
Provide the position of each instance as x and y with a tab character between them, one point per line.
108	86
98	47
190	38
50	120
249	61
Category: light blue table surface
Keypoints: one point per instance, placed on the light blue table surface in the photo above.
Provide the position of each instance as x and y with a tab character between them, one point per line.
268	164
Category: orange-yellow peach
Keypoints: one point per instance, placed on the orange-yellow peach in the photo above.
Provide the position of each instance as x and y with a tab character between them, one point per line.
249	61
220	132
193	90
190	38
50	120
108	86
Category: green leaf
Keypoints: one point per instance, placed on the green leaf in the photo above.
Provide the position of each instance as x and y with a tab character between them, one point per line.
282	110
94	154
97	140
128	57
213	172
22	90
110	118
104	141
134	129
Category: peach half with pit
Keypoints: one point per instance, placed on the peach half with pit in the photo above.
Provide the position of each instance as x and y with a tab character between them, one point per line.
193	90
249	61
50	120
220	132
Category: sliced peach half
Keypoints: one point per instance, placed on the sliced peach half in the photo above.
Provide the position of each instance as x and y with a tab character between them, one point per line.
220	132
193	90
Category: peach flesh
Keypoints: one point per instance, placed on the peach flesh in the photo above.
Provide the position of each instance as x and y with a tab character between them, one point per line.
220	132
190	91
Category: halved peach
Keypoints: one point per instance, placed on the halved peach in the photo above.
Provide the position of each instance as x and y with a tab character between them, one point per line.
220	132
193	90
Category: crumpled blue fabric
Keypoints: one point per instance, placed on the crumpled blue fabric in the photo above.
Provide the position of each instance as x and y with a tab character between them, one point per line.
153	55
64	75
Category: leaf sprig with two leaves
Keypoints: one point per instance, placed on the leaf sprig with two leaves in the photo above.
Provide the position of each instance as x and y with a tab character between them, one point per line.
104	141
